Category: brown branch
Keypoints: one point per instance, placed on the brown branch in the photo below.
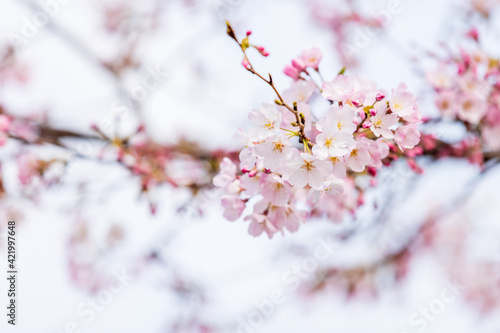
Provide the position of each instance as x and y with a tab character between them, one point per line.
299	119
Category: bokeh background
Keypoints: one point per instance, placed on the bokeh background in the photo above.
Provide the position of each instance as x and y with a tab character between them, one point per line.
192	272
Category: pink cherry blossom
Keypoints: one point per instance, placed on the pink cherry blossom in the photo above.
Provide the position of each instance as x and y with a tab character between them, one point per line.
378	150
439	78
287	217
382	121
275	190
339	89
233	207
446	102
332	142
260	223
332	186
402	101
358	157
471	109
312	57
341	118
300	91
227	173
339	168
250	184
472	85
259	220
407	137
275	152
267	119
308	170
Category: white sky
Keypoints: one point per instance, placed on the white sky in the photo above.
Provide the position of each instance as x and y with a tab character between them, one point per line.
207	96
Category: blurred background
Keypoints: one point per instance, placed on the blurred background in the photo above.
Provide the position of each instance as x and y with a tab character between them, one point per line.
97	254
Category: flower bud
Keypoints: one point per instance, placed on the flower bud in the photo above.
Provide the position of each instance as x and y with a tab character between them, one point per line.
356	103
367	124
291	72
371	171
380	97
262	50
474	34
362	114
299	64
230	31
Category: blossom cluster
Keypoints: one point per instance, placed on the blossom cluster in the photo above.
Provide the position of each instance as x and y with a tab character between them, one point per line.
468	90
296	159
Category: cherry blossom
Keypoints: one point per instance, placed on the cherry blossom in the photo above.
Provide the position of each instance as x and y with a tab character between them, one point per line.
308	170
341	118
402	101
382	121
339	89
358	157
267	119
332	142
227	173
275	152
233	207
407	136
311	57
247	154
275	190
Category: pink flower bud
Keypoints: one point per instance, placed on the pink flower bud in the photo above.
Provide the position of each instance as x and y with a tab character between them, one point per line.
252	173
262	50
474	34
373	112
292	72
299	64
356	103
362	114
371	171
380	97
249	32
312	57
245	63
245	170
367	124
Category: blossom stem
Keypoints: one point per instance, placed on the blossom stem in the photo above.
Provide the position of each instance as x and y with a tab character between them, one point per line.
299	120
